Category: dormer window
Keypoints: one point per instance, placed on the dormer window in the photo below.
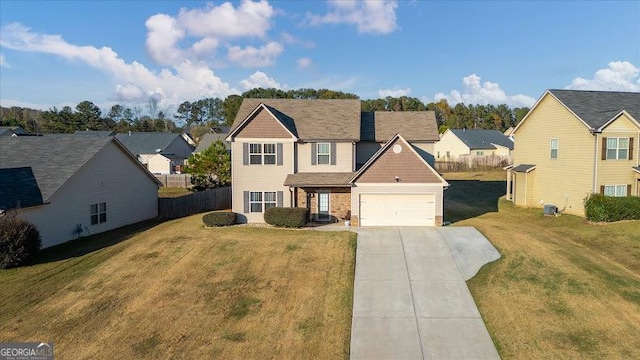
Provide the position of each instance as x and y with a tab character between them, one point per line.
324	153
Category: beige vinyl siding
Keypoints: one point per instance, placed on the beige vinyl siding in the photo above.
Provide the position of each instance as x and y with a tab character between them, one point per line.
451	143
111	177
259	177
344	158
619	172
158	164
564	181
520	189
499	150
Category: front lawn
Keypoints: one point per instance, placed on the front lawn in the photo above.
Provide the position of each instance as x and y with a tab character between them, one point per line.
564	288
178	290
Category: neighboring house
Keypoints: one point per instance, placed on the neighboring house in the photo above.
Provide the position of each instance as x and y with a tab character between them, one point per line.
372	168
574	143
160	152
71	186
455	144
210	138
508	132
12	131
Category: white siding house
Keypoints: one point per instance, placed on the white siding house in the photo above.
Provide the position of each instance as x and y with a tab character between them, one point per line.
89	185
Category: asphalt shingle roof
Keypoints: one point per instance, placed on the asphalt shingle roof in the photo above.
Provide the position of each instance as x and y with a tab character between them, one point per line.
482	139
596	108
525	168
311	119
18	188
380	126
53	158
319	179
146	142
95	132
12	130
210	138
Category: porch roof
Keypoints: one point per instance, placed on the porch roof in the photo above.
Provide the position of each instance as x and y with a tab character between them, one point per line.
524	168
636	169
319	179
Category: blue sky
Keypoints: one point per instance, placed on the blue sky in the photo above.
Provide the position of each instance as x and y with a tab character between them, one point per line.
56	53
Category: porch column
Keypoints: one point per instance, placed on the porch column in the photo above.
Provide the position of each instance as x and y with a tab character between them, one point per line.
509	185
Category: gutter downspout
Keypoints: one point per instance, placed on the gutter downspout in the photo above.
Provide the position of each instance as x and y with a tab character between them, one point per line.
595	160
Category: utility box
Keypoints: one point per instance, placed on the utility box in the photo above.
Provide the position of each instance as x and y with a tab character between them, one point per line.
550	209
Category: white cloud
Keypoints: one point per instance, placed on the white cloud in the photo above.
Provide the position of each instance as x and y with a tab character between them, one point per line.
259	80
394	93
129	93
186	80
162	37
225	21
619	76
369	16
304	63
476	92
3	62
255	57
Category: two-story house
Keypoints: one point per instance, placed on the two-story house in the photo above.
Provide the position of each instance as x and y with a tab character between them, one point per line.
574	143
372	168
160	152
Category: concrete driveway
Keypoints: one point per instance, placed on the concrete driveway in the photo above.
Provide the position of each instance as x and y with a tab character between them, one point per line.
411	300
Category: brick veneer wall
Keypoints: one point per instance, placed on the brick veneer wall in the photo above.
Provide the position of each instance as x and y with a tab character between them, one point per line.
339	201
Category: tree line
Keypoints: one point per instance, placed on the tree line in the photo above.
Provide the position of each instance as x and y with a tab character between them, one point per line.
208	112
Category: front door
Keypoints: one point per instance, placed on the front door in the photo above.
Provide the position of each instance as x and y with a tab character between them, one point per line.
323	206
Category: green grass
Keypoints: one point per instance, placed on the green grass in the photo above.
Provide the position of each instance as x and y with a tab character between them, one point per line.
179	290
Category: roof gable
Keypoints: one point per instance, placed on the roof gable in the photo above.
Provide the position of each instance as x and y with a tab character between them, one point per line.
397	162
265	122
380	126
312	119
482	139
19	188
54	159
210	138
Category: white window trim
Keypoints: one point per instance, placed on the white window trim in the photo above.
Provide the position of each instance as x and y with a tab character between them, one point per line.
263	200
617	148
327	154
551	148
263	154
616	187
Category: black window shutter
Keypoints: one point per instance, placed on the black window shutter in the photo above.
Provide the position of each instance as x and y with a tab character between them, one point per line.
280	196
245	153
246	202
314	153
630	148
279	154
601	189
628	189
333	153
604	148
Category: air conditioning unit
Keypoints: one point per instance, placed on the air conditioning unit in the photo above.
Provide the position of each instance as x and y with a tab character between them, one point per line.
550	209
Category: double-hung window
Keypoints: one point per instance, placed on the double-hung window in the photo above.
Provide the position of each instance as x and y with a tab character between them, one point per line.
255	154
261	201
98	213
269	154
270	199
617	148
324	153
553	146
615	190
255	201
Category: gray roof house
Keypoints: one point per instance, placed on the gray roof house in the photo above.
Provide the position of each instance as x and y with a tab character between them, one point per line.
457	143
574	143
160	152
12	131
71	186
210	138
367	168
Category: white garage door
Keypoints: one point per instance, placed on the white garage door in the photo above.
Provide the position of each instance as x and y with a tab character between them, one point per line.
397	209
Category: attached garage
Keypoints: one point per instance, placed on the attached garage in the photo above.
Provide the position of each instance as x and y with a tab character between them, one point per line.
397	210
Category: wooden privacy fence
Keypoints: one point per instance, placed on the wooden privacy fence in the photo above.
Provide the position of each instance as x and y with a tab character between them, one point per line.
175	180
201	201
471	163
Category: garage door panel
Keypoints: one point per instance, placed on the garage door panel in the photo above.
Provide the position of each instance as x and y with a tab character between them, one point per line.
397	209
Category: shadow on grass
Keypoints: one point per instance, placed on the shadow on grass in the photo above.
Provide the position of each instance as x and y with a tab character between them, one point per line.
88	244
467	199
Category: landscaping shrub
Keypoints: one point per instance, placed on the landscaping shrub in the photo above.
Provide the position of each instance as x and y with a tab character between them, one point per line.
286	217
19	241
607	208
219	218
